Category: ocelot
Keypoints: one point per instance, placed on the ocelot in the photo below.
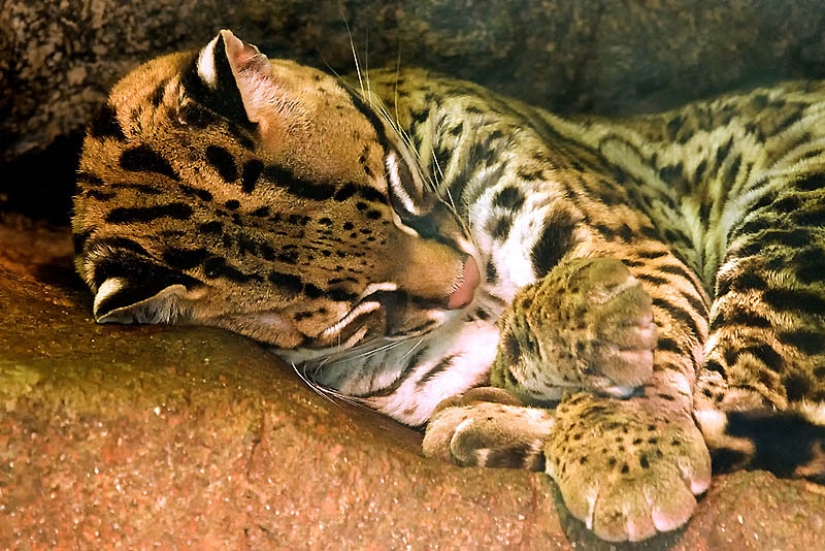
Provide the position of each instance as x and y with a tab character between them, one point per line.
604	300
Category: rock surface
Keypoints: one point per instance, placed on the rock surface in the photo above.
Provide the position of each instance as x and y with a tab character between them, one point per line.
59	58
143	436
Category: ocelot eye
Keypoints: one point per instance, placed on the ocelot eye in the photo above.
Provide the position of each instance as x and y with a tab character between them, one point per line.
409	197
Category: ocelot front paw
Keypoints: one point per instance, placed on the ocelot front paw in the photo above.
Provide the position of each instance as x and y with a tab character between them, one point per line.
588	325
488	427
628	469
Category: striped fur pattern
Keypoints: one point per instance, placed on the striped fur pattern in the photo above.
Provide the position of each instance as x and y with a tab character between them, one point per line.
598	299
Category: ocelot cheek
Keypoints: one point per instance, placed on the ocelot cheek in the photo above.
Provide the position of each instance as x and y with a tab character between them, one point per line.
366	321
414	317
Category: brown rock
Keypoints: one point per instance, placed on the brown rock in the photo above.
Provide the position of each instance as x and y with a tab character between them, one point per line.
142	436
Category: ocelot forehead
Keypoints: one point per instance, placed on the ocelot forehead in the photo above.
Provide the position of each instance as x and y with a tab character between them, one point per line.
254	224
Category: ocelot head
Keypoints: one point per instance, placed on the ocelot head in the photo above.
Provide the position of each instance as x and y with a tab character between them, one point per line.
221	188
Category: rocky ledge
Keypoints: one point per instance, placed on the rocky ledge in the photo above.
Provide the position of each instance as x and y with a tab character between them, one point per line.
138	436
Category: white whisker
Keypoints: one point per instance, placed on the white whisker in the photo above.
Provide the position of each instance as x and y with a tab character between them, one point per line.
318	389
358	71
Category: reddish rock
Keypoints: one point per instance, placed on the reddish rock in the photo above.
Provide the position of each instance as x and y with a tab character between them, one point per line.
138	436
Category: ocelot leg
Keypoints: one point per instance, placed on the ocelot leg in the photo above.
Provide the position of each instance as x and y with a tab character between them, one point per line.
588	325
489	427
762	392
627	468
631	468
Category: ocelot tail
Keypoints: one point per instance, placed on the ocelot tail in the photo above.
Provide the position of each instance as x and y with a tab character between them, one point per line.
604	300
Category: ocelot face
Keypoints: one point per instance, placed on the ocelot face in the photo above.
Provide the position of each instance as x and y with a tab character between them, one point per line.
219	188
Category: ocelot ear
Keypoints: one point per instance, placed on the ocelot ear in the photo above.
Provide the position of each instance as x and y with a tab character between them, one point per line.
231	77
119	300
133	288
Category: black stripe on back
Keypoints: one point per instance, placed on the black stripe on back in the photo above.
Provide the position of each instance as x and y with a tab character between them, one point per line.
680	314
795	300
784	441
129	215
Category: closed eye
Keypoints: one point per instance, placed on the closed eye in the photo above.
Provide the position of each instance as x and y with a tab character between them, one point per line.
409	199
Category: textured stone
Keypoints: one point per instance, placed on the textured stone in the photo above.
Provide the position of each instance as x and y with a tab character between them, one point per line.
146	436
58	59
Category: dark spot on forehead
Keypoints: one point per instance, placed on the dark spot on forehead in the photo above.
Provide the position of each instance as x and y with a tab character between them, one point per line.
185	259
288	257
340	295
144	159
251	172
372	194
223	162
289	283
202	194
214	227
286	180
105	125
195	115
312	291
216	267
345	192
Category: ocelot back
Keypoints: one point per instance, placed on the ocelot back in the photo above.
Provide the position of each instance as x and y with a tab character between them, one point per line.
602	300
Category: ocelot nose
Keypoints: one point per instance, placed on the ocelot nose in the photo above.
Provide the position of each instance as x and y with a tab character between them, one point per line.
465	292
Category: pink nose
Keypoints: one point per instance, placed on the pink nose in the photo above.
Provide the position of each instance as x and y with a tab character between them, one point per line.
463	296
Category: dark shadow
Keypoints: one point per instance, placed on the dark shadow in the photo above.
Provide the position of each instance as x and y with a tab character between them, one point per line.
40	185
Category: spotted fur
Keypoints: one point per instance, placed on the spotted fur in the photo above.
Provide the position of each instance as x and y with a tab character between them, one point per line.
636	289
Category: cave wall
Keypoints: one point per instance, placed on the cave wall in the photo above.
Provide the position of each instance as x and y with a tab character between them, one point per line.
59	58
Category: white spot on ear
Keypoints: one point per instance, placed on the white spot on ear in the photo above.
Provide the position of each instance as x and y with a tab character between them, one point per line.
206	64
107	289
813	412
